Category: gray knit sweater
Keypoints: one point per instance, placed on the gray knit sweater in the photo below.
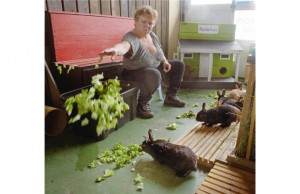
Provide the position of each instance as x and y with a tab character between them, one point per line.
141	57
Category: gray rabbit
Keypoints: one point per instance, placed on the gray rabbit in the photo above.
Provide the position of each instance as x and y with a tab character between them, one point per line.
180	158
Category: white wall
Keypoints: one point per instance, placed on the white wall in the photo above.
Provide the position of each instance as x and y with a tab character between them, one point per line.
246	45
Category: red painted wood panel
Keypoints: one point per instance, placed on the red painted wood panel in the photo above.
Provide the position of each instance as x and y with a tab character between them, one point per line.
80	36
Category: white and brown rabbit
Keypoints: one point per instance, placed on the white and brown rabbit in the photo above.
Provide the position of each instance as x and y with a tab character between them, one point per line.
224	114
237	93
226	100
180	158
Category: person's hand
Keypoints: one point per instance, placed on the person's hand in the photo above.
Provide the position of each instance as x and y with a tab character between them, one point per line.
109	52
167	66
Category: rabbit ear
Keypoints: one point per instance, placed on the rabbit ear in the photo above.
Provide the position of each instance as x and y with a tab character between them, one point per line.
223	93
239	85
219	95
203	106
146	139
150	135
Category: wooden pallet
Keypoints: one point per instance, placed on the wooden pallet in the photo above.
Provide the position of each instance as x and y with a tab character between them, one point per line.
226	179
210	144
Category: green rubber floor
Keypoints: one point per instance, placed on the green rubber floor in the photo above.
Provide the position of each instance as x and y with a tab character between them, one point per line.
67	156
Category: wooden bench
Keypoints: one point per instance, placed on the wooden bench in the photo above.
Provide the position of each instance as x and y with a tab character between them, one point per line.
76	39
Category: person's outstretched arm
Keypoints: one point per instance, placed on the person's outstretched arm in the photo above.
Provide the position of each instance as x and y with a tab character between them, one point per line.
117	50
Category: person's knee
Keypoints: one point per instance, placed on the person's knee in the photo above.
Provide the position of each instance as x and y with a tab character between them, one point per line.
152	75
180	65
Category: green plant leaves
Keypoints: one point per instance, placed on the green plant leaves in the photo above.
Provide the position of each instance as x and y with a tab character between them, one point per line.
138	178
60	67
213	104
189	114
120	155
172	126
85	122
94	115
108	173
139	182
103	102
76	118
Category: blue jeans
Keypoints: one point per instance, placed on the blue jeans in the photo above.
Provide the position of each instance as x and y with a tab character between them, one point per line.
148	79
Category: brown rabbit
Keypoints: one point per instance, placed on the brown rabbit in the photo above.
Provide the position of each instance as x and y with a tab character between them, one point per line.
180	158
224	114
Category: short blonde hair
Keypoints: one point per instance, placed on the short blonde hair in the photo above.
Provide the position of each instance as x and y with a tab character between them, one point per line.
146	11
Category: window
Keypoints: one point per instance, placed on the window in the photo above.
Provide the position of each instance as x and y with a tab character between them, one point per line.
224	56
244	18
245	24
188	55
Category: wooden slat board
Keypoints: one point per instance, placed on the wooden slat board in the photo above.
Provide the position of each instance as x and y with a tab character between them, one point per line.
226	179
115	8
210	144
95	6
105	7
70	6
54	5
83	6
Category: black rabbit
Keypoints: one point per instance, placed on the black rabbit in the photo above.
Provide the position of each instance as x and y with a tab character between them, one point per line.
224	114
180	158
224	100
